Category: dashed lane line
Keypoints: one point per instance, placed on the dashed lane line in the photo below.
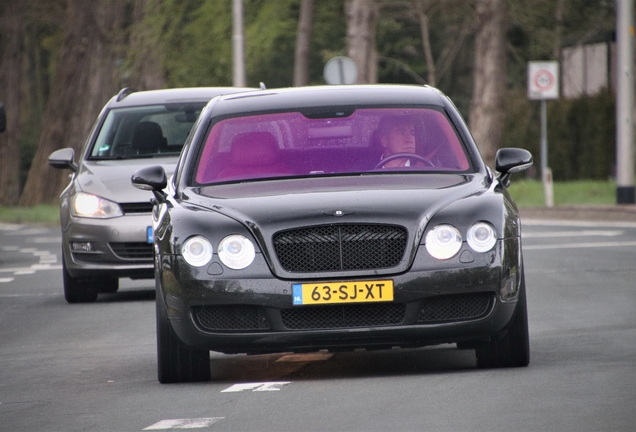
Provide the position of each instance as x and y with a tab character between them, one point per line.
194	423
256	387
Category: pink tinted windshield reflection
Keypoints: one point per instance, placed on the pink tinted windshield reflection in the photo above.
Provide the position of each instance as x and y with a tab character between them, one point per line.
290	145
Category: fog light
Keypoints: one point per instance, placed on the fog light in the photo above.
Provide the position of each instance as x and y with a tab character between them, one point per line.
81	247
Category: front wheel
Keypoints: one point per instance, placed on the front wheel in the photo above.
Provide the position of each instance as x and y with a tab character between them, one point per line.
76	290
176	363
512	349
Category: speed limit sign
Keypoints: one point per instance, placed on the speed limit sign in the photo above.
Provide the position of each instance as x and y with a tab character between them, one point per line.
543	80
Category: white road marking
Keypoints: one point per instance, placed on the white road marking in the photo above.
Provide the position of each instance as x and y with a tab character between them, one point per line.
580	245
46	240
579	223
5	280
319	356
196	423
36	267
587	233
266	386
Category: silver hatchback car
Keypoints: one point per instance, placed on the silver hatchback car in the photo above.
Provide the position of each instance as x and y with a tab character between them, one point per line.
105	221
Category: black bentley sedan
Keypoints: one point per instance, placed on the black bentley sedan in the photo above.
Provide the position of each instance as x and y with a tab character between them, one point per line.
335	218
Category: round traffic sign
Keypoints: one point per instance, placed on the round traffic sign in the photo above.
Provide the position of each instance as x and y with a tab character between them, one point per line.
340	70
544	80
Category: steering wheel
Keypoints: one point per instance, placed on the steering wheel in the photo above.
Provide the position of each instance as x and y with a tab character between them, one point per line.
410	156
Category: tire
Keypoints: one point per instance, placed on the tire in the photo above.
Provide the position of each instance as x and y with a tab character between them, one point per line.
175	362
76	290
513	348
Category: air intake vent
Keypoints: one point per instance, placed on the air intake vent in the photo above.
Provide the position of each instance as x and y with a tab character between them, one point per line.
132	208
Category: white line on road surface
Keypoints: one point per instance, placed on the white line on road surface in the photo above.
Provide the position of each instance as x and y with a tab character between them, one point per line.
30	270
257	387
587	233
580	245
195	423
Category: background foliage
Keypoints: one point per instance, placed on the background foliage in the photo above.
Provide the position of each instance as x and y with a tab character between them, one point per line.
192	39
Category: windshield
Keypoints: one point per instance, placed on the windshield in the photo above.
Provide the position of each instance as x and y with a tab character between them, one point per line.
144	132
366	140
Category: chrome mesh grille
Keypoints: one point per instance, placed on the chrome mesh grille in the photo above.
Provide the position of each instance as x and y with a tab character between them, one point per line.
343	316
340	247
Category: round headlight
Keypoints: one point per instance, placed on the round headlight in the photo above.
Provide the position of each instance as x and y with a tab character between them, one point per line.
236	252
443	242
197	251
481	237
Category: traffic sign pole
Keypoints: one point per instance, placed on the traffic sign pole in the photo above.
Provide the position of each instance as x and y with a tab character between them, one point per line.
543	84
624	103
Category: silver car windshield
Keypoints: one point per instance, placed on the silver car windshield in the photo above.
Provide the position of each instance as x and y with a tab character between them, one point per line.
145	132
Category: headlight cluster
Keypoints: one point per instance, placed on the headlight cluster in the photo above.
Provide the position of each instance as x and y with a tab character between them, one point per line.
93	206
235	251
444	241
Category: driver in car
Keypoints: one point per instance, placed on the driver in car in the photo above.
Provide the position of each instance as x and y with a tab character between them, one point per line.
397	135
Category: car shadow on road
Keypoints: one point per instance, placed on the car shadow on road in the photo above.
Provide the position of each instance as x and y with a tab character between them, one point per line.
357	364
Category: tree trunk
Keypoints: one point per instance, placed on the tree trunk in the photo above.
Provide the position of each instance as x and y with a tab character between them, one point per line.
362	20
11	56
422	9
489	79
86	77
303	43
146	54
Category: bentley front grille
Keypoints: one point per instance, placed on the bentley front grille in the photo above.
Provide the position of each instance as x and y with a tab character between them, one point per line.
343	316
340	247
455	307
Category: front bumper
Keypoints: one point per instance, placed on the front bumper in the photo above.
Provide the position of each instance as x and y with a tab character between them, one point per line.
216	309
118	247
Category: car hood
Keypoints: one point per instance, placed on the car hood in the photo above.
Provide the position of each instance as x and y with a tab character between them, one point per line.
270	206
111	179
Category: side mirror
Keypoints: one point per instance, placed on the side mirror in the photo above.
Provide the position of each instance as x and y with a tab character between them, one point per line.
152	178
3	118
511	160
63	158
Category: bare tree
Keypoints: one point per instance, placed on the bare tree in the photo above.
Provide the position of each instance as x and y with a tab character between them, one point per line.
422	9
303	42
11	56
362	20
147	72
85	78
487	112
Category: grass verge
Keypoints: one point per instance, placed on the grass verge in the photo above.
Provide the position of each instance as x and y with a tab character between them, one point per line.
43	214
529	193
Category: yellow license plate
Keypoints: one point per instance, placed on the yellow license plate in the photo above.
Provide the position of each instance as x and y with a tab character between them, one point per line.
342	292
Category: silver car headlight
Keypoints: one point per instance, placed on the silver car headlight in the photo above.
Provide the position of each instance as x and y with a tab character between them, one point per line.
93	206
197	251
443	242
481	237
236	251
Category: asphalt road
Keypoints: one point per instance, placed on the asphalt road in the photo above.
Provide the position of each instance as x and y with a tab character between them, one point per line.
91	367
